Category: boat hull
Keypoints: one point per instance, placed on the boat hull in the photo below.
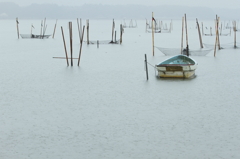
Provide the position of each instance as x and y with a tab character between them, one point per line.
176	74
179	66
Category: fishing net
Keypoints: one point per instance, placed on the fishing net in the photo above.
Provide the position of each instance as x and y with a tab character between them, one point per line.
222	46
225	34
177	51
103	42
29	36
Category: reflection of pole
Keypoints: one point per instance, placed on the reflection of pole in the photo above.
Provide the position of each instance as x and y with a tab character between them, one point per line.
152	34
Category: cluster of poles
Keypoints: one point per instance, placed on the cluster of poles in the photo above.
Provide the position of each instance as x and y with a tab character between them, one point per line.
81	35
42	30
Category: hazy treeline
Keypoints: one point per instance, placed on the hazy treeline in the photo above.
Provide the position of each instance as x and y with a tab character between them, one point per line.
10	10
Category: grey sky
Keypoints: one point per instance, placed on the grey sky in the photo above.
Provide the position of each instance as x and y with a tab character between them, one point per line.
205	3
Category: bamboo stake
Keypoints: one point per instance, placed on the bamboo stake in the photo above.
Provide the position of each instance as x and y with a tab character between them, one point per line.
146	26
44	25
216	41
79	30
17	27
113	26
182	35
146	66
121	28
199	33
80	51
218	20
31	29
88	32
54	29
152	34
44	30
41	29
65	46
187	48
80	26
70	36
221	29
235	37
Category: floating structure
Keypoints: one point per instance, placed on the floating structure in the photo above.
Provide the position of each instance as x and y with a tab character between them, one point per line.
33	36
42	34
179	66
130	24
114	39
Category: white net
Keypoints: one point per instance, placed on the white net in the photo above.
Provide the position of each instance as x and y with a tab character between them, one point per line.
177	51
223	46
33	36
103	42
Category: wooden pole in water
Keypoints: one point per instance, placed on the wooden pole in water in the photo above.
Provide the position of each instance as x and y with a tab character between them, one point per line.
54	29
235	37
113	26
121	32
182	35
146	26
17	27
70	36
41	29
153	33
202	30
199	33
218	19
80	51
97	44
79	30
216	41
65	46
146	66
221	29
187	48
80	26
88	32
44	27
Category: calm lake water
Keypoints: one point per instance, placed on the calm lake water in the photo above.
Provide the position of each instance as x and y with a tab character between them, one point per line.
106	109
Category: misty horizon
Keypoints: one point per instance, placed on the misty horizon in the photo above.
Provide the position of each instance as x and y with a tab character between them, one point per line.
10	10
